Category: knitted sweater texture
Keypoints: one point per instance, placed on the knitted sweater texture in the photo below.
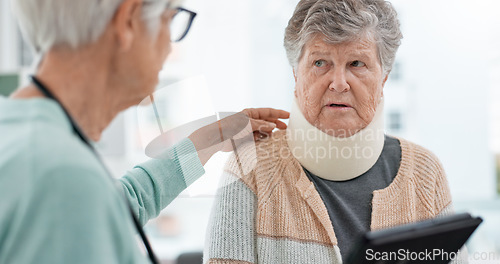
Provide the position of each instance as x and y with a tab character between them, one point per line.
268	211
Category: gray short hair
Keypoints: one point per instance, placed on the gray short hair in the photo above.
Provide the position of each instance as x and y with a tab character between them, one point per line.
342	21
47	23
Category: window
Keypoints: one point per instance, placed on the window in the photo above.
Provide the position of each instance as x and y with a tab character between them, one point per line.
8	83
395	74
395	121
25	54
498	173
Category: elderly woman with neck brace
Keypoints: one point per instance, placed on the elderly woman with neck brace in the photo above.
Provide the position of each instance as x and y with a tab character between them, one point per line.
311	190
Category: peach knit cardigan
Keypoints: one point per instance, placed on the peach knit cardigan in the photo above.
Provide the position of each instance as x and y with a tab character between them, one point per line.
268	211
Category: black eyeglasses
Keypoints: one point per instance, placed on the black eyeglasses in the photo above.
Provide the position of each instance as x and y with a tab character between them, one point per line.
181	23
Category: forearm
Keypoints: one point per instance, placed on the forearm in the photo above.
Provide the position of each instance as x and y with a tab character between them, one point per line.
204	148
207	141
153	185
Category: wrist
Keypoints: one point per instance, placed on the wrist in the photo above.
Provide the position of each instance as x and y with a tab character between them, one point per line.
207	137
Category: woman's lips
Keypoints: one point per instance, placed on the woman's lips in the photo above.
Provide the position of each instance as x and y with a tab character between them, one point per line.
338	105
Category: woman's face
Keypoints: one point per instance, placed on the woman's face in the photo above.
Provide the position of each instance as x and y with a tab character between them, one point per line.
338	87
150	53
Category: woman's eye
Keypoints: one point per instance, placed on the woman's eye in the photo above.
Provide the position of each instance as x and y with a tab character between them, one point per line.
358	63
319	63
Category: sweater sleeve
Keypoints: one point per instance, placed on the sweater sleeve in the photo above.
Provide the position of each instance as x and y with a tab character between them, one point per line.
462	256
231	236
444	205
153	185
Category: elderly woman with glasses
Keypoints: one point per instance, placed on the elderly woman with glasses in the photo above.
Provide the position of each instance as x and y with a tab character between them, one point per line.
313	189
58	204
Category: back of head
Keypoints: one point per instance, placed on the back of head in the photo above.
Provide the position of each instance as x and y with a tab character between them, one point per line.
343	21
49	23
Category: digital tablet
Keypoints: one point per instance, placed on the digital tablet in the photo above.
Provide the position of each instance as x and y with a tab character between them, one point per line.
431	241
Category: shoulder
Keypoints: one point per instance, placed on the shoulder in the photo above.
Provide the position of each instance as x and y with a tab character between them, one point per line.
69	171
419	159
262	164
423	168
41	154
55	148
64	164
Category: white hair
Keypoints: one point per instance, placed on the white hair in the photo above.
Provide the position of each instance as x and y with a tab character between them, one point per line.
47	23
341	21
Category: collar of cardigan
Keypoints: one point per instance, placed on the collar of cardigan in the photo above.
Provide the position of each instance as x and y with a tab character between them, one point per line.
333	158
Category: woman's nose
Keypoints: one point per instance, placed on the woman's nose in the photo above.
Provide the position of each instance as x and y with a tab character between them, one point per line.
339	81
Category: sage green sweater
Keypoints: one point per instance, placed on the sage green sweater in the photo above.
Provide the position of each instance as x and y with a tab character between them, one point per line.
58	205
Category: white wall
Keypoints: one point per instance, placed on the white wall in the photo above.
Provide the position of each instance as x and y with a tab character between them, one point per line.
447	59
8	40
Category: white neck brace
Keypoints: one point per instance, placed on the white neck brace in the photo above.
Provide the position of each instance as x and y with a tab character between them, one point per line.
333	158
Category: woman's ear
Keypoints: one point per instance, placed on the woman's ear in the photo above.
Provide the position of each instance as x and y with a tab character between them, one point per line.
124	23
295	78
385	80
